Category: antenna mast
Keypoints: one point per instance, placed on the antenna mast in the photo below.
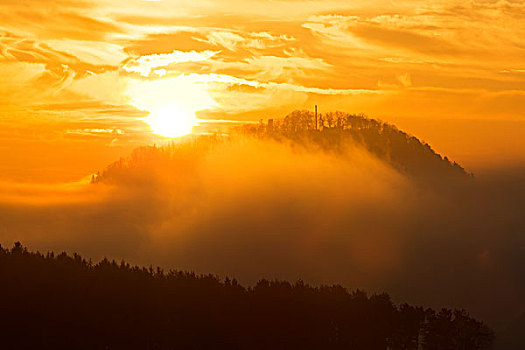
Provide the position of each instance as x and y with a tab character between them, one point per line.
315	117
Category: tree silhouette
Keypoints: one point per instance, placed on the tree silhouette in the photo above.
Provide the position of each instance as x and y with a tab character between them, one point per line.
403	151
59	301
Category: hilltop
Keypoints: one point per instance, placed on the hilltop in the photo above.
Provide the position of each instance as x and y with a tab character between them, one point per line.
332	132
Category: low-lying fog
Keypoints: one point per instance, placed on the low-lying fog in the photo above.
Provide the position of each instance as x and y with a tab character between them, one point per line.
250	209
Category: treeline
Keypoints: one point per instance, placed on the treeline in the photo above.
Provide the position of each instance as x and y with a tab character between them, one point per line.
60	301
331	131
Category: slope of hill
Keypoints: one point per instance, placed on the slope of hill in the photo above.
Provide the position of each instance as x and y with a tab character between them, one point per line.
59	301
333	131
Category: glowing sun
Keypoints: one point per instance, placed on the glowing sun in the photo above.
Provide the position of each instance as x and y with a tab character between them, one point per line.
171	102
171	120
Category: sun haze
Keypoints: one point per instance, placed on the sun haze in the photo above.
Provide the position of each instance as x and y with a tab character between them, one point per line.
353	146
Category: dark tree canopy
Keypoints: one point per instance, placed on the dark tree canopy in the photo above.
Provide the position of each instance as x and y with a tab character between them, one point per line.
335	129
60	301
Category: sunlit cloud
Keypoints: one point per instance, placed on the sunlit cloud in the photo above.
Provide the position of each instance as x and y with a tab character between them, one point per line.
184	89
145	64
231	40
95	131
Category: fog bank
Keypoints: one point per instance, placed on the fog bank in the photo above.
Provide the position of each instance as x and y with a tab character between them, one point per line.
253	208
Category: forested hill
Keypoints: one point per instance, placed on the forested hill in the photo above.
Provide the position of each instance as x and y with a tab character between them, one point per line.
65	302
332	131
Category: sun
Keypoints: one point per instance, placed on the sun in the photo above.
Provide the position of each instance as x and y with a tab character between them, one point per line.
171	120
171	102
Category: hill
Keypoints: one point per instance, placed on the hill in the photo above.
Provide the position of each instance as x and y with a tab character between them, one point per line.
60	301
335	133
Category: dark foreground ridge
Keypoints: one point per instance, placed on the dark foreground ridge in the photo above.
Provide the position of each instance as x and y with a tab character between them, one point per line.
61	301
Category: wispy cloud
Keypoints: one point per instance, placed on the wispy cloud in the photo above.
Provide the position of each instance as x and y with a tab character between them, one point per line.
144	65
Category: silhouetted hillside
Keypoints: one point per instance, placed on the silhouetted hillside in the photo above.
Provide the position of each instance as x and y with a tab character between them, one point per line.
333	131
61	301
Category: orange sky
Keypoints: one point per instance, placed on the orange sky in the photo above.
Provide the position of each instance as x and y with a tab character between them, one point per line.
78	77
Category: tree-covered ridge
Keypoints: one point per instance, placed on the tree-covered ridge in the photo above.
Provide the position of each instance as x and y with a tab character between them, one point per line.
334	132
331	130
61	301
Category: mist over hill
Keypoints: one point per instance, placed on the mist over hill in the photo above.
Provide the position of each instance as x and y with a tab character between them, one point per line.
336	133
359	204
